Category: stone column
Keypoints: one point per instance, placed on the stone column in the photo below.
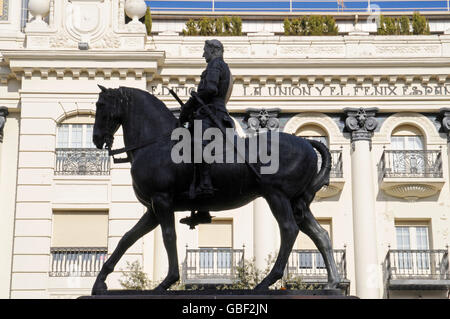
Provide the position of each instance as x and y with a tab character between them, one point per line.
361	123
266	236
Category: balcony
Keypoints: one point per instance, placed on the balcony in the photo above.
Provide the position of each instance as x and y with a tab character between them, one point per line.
212	266
77	261
82	161
417	269
336	176
411	174
310	267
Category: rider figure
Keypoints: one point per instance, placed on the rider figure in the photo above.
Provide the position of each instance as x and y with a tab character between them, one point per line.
214	90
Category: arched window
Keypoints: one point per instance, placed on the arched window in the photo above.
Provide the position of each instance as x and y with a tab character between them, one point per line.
407	137
313	132
76	132
407	156
76	154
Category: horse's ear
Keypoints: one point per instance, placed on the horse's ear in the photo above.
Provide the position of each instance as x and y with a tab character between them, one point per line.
101	88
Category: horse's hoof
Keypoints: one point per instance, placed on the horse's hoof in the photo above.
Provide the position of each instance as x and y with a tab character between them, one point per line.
332	284
160	289
99	288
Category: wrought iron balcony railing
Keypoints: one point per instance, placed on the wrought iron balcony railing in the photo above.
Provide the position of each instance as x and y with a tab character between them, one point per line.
417	264
212	265
426	164
77	261
82	161
310	266
336	163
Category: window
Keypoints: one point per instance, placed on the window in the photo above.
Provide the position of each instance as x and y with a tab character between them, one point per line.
76	154
79	243
308	255
407	145
413	247
215	242
75	136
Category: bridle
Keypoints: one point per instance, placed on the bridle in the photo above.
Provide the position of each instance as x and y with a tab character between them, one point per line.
109	138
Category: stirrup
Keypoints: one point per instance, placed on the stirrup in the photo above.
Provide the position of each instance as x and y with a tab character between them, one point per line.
194	220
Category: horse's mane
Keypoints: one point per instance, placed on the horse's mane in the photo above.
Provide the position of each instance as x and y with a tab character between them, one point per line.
125	96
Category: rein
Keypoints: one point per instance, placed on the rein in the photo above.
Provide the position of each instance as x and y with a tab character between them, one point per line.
133	147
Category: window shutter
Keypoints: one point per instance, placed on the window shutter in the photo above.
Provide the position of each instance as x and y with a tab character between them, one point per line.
72	229
216	234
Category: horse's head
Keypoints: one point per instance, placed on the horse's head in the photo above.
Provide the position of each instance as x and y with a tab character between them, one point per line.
108	116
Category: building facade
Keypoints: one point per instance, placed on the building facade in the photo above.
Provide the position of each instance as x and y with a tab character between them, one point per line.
380	103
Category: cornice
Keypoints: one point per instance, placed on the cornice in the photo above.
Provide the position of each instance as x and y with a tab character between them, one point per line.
75	63
112	55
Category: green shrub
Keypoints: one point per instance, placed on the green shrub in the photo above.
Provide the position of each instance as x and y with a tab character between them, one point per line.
191	27
134	277
404	25
420	24
330	26
148	21
236	26
312	25
207	26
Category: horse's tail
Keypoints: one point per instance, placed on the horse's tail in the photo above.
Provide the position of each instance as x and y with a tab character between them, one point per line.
323	176
301	203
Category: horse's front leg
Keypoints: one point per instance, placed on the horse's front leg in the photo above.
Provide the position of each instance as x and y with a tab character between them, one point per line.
146	224
165	214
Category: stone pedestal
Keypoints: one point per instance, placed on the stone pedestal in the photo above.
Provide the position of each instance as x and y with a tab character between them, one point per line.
222	294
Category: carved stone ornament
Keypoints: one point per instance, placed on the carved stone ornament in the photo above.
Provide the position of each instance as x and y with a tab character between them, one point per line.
361	123
262	119
444	116
3	114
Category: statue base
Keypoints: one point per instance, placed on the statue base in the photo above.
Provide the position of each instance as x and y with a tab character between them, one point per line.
222	294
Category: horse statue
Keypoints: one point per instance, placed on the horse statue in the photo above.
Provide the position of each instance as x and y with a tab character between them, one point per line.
161	185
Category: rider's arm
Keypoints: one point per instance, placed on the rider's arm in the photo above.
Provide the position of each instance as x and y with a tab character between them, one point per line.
212	82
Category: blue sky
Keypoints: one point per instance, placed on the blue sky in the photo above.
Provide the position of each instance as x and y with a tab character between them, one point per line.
297	5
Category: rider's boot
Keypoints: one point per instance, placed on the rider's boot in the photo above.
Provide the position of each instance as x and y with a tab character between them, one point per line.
201	217
205	188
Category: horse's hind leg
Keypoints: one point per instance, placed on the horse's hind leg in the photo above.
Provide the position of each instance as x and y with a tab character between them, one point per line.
165	214
147	223
282	210
311	227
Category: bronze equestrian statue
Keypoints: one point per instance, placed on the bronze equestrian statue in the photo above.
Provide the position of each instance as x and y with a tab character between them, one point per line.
162	185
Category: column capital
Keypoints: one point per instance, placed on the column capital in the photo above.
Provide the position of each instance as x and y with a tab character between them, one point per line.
361	122
444	116
260	120
3	114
